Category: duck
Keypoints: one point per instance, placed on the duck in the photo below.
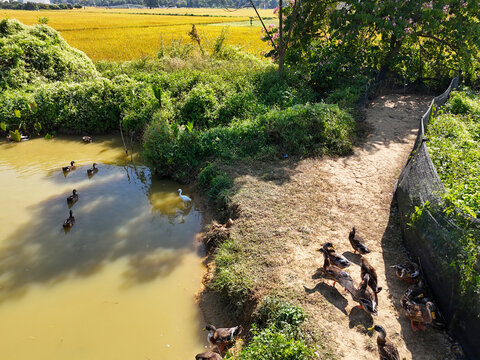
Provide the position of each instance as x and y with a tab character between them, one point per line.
87	139
386	349
72	199
208	355
93	170
416	293
183	197
418	313
69	168
222	337
357	242
336	274
337	259
409	272
366	268
366	298
70	221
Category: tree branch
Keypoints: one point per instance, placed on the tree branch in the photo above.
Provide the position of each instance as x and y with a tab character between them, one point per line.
266	30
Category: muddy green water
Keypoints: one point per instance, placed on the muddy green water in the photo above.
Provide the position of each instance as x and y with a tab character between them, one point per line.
121	283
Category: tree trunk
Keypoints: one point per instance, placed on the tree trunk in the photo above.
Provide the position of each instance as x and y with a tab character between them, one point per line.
281	53
395	45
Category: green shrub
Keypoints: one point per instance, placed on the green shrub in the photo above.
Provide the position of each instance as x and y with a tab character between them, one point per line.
199	107
277	333
93	106
310	129
454	145
270	343
29	54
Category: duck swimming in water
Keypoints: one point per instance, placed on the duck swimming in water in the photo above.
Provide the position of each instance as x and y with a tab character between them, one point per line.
69	168
69	222
93	170
72	199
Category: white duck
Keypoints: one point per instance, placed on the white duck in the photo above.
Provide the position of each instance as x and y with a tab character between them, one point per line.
183	197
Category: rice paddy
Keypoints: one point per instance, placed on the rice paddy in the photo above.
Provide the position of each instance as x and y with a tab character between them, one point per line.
127	34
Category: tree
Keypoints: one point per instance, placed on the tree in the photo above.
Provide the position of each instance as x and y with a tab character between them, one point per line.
346	42
151	3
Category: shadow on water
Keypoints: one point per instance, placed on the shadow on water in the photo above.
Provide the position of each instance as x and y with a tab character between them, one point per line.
120	214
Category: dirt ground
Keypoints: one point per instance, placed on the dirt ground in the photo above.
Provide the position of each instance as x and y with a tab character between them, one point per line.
298	205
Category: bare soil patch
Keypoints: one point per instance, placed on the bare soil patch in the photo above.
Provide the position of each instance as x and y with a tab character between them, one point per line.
291	207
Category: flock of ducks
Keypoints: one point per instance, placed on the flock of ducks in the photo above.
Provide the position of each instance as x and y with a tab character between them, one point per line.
418	308
72	199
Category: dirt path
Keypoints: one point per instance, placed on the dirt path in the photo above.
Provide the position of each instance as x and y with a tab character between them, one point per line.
315	200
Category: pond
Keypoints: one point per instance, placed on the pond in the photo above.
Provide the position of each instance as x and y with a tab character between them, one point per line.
121	283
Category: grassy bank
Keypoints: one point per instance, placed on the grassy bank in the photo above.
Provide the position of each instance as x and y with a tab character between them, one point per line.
454	146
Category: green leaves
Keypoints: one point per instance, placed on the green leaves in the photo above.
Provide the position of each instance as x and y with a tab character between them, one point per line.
3	126
33	107
18	114
189	126
38	127
15	135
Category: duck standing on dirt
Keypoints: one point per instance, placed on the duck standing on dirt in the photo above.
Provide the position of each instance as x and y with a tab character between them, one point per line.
336	274
386	349
365	297
222	337
370	270
418	313
357	242
335	258
208	355
409	272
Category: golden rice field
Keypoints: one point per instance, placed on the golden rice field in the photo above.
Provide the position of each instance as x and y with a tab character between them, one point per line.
127	34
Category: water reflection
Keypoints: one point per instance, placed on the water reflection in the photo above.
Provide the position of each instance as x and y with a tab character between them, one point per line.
114	218
131	244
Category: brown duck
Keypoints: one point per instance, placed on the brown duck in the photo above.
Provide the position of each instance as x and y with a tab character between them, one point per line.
72	199
409	272
336	274
70	167
417	313
222	337
386	349
208	355
70	221
357	242
365	297
335	258
370	270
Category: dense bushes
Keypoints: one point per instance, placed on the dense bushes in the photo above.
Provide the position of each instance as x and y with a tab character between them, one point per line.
300	130
277	333
454	143
32	54
92	106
